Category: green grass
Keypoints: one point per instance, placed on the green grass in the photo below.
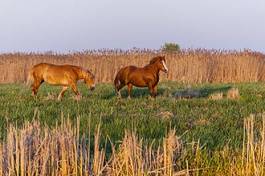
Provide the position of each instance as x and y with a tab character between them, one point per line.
215	123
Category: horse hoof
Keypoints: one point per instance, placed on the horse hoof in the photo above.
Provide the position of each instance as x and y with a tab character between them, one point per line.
118	96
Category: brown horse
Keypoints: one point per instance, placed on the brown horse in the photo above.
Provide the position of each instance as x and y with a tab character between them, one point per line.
147	76
63	75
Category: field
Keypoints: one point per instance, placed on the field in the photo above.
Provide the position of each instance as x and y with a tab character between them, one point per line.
213	125
209	133
214	122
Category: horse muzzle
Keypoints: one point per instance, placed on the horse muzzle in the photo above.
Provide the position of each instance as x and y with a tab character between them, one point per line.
92	88
165	71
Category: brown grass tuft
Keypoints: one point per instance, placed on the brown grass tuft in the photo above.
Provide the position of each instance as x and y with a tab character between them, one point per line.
216	96
51	96
165	115
233	93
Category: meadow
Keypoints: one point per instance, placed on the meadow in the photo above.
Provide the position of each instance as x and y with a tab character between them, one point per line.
215	122
102	135
213	125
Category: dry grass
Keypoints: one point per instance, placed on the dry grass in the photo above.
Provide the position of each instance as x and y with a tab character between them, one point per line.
188	66
165	115
51	96
36	150
216	96
233	93
253	154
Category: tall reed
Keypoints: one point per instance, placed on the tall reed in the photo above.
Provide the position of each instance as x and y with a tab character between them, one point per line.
188	66
39	150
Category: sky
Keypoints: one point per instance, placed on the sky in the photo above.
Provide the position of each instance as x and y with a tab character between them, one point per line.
76	25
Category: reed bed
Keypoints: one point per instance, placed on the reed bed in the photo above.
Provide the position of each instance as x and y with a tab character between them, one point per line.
186	66
38	150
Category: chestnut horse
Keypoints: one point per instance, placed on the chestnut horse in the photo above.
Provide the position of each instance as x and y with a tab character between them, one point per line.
147	76
63	75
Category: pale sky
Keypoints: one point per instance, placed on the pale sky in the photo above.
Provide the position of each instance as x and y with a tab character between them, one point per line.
76	25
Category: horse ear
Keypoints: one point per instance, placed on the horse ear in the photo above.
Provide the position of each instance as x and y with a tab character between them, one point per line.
157	58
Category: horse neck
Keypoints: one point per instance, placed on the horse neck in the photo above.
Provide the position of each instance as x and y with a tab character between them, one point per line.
153	68
82	74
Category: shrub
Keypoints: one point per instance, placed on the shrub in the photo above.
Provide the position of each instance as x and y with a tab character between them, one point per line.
170	47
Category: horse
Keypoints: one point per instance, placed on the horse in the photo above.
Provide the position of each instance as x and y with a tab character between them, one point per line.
60	75
147	76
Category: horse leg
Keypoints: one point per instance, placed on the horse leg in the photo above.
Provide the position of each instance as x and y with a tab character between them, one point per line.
74	88
62	92
129	90
35	86
152	90
155	91
118	88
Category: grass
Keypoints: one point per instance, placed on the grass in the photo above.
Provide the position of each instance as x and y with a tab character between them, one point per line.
135	135
216	123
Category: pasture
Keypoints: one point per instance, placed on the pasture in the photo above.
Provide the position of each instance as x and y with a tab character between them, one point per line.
211	131
215	123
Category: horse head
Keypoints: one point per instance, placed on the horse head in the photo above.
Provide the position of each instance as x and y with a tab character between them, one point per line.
89	79
160	62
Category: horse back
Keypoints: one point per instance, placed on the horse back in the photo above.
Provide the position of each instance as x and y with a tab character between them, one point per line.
38	69
138	76
55	74
124	72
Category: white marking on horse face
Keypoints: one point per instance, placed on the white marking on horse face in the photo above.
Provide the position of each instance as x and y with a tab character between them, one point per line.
164	65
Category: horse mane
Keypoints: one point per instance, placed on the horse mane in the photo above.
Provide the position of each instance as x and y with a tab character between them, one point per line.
152	61
88	72
82	70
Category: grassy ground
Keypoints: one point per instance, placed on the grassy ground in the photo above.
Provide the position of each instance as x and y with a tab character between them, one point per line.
215	123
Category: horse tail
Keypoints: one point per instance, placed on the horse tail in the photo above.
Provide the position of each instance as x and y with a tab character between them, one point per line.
30	77
119	79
